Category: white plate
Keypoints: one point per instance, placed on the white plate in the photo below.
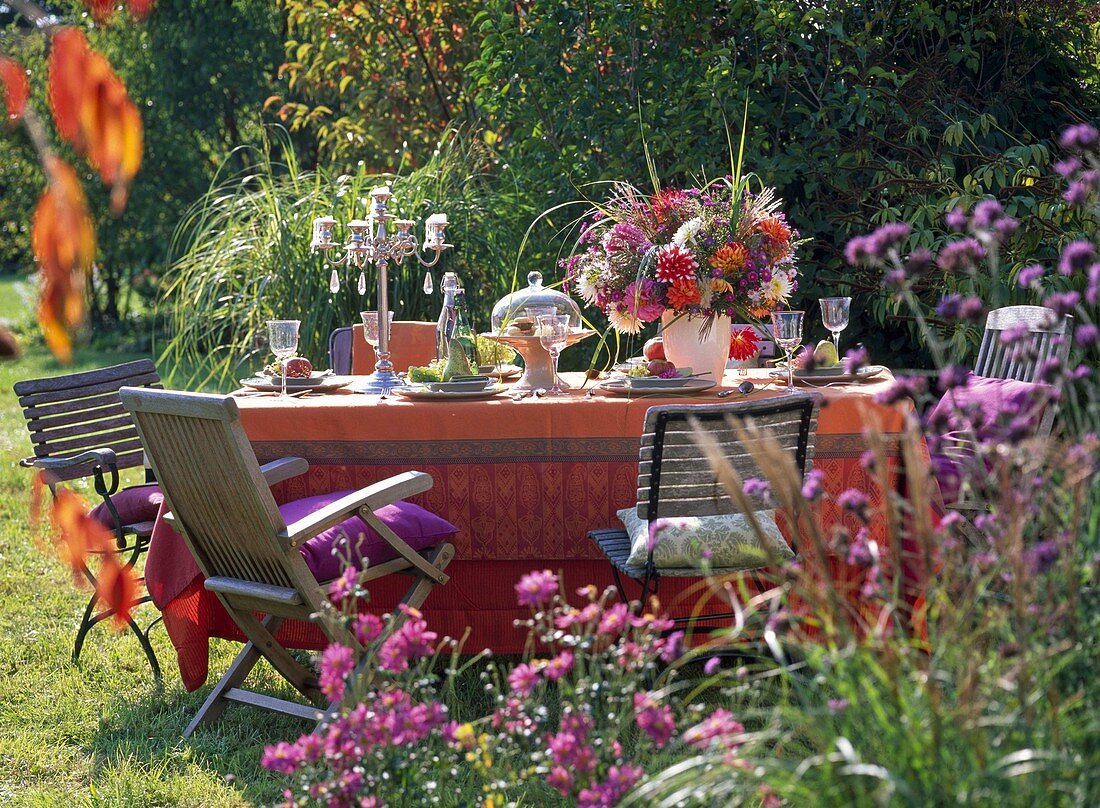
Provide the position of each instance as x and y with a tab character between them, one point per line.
468	386
418	393
832	374
326	382
618	387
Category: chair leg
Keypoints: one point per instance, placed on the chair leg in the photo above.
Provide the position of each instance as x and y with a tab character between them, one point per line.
216	702
90	618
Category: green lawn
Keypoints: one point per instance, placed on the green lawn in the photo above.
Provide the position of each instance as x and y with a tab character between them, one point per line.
101	733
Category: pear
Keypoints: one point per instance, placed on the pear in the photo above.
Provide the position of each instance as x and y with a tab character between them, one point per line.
457	363
825	355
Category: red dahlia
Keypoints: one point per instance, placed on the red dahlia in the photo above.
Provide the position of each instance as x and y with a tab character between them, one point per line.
675	264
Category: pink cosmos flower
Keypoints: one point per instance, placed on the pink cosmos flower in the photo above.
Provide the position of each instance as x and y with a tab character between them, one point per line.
523	679
561	779
614	620
344	586
560	665
535	589
411	641
367	628
718	729
654	719
283	758
337	662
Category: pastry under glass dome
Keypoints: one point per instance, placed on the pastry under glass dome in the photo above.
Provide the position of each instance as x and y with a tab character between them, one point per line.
514	324
513	307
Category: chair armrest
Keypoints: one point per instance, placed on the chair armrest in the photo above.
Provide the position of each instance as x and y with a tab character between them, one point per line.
104	457
373	497
283	469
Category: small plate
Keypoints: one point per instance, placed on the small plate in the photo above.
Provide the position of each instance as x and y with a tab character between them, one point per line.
325	382
831	374
296	381
420	393
619	387
657	383
503	372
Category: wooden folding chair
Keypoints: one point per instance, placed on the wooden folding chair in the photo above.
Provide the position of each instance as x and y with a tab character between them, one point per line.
675	477
221	503
79	429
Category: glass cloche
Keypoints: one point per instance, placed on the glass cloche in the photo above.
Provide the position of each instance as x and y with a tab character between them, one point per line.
515	314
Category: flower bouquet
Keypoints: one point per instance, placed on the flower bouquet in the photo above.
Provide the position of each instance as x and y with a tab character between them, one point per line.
702	252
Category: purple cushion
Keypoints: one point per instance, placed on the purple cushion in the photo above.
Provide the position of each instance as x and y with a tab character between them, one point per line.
993	409
325	552
139	503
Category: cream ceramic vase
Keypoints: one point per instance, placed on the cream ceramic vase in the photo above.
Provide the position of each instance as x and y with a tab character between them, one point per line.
686	347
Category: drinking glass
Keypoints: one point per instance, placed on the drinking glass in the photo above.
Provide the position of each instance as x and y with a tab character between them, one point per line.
283	338
553	331
370	327
834	315
787	330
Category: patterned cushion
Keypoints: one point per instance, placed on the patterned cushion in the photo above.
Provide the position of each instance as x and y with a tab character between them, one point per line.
729	538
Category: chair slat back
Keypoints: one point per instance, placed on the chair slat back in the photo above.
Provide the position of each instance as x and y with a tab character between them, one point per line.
70	414
674	475
212	481
1047	337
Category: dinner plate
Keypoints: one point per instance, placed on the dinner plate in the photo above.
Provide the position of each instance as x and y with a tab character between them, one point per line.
417	393
295	381
472	385
618	387
831	374
324	383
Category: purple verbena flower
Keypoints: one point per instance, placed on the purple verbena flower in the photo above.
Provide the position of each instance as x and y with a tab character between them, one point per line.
855	358
1030	274
986	214
855	501
1063	303
903	387
956	307
754	486
1067	167
1087	335
953	376
813	487
837	706
956	219
1042	556
1079	138
963	254
1076	257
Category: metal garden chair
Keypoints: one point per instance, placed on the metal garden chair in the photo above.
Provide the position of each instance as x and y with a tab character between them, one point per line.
79	429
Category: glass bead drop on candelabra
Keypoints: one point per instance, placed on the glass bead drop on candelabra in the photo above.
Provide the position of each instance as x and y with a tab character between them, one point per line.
334	281
429	287
787	330
553	331
361	287
282	336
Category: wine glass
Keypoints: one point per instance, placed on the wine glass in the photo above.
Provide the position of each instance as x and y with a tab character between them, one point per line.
553	331
370	328
787	329
283	338
834	315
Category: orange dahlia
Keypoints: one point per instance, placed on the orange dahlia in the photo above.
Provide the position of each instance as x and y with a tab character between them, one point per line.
774	228
730	257
683	294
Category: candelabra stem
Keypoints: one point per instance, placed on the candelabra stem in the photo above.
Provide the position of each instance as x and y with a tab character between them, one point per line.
384	378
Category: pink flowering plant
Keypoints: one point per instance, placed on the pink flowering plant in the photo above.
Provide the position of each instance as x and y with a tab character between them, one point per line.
699	252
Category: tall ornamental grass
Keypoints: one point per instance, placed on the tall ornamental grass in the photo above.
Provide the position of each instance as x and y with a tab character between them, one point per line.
241	255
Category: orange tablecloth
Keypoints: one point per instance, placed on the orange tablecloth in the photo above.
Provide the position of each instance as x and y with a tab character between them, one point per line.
522	481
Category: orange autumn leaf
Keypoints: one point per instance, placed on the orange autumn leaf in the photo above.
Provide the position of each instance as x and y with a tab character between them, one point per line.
63	242
94	112
16	88
117	587
79	536
141	8
101	9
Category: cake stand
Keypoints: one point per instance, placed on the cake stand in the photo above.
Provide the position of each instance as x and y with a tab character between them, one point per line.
538	370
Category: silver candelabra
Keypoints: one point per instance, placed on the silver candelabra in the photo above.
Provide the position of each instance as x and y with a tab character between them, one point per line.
371	242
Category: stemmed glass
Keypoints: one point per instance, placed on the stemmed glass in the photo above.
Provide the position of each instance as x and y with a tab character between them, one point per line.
834	315
283	338
370	328
787	330
553	330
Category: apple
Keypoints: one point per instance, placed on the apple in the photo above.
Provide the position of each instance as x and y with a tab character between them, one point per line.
298	368
658	366
654	349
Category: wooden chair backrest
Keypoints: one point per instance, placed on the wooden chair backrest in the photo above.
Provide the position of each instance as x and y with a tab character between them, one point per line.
674	475
213	484
67	415
1048	336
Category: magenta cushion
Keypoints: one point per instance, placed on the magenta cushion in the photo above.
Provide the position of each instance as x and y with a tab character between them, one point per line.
139	503
995	409
325	552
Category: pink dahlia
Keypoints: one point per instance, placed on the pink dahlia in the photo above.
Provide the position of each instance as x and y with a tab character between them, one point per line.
675	264
640	300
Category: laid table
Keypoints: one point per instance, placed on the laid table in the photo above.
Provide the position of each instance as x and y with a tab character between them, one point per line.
523	481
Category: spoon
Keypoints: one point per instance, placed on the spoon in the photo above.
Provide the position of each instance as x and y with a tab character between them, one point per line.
540	392
744	389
